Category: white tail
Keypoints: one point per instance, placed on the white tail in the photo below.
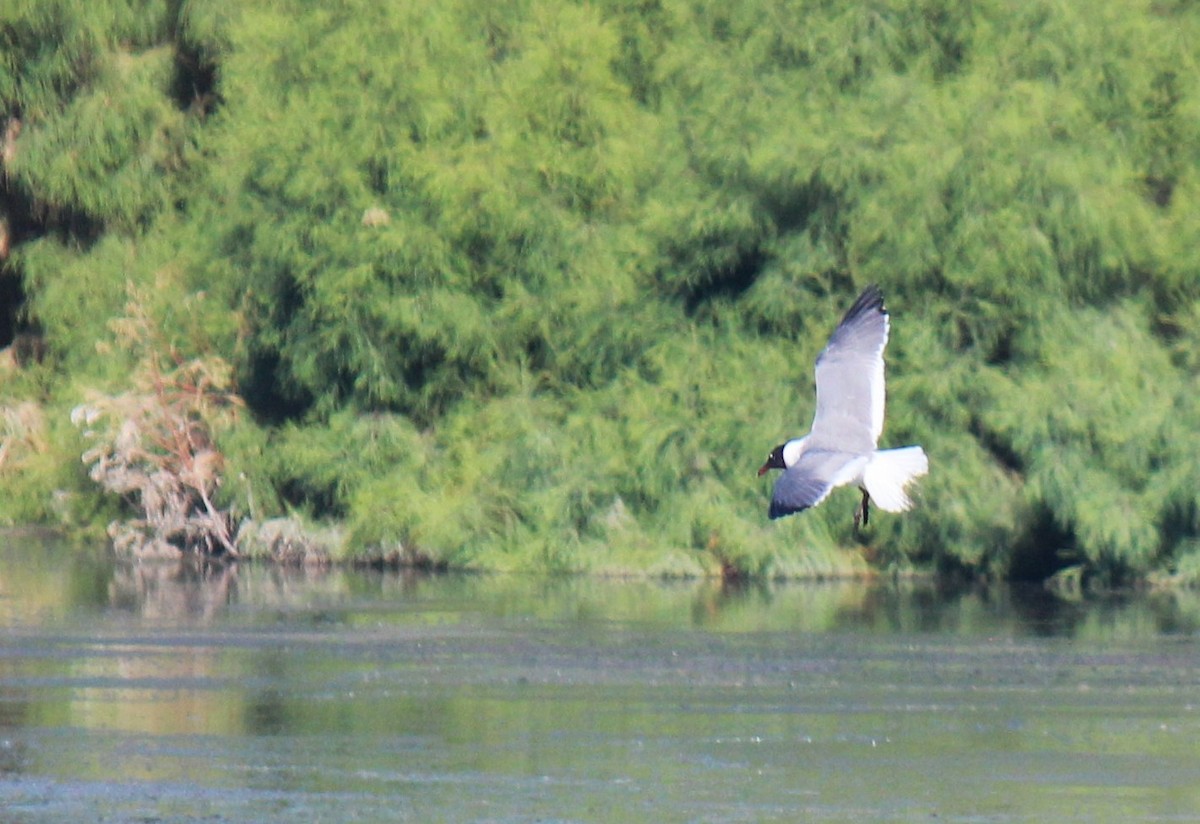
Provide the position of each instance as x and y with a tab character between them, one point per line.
888	473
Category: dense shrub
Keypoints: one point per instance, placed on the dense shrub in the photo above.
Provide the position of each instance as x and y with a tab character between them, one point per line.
534	284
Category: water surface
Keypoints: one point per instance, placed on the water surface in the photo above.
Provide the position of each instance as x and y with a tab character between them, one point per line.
168	693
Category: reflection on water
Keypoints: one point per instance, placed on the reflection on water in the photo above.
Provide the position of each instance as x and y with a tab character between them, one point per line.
171	692
44	583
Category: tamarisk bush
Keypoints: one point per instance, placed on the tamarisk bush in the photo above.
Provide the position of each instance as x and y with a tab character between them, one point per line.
525	285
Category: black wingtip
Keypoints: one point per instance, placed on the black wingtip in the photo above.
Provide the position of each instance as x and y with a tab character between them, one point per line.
871	300
778	510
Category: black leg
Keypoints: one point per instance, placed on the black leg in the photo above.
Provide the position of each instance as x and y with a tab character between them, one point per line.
862	513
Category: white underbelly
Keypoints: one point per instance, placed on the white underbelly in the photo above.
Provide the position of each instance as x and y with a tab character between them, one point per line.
852	472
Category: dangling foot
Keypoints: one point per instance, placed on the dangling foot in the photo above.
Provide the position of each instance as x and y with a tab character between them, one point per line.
862	512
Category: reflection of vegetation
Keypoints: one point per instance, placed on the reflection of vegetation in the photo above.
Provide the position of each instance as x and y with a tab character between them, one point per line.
580	698
531	285
49	581
183	592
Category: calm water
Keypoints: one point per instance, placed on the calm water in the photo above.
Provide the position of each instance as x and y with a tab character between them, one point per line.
160	693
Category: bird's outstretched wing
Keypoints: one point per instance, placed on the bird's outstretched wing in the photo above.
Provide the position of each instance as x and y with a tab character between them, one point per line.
850	392
809	480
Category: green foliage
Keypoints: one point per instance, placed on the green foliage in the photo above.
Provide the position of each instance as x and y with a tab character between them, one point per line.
106	153
53	48
1108	440
40	470
536	284
93	88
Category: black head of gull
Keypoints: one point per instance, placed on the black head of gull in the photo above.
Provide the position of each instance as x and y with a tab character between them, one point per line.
841	447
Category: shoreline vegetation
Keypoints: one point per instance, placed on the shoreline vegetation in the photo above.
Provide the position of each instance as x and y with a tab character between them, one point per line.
534	285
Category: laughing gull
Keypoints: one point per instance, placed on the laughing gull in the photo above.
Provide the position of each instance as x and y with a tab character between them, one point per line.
841	448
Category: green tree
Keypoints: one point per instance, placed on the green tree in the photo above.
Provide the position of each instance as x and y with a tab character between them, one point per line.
534	284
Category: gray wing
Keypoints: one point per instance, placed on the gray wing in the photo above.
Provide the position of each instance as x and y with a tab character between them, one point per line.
809	480
850	391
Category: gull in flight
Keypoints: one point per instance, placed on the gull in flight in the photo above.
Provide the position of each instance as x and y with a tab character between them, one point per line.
842	446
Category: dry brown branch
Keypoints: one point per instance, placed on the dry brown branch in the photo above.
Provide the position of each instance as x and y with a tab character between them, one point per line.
22	434
154	444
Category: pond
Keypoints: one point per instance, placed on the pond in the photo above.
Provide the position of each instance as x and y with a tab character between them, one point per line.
252	693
